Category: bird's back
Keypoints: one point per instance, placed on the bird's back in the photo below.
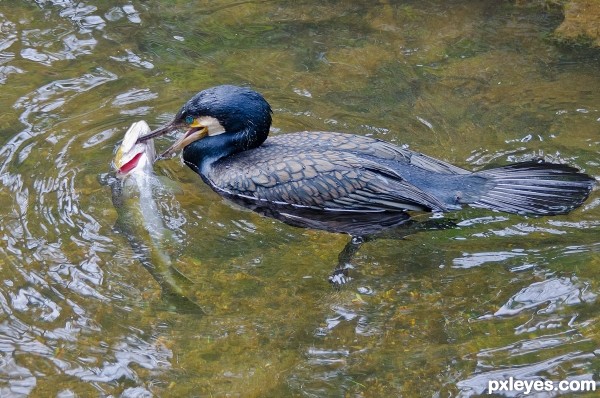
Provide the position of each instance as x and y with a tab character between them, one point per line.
336	171
365	147
350	173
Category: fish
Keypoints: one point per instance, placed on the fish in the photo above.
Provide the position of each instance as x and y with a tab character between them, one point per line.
136	194
133	158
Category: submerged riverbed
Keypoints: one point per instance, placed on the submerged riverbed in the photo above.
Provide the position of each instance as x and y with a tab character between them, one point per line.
440	313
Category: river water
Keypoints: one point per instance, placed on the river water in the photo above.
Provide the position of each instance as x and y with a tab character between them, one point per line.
440	313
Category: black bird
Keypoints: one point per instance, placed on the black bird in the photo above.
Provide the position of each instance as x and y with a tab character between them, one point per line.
336	176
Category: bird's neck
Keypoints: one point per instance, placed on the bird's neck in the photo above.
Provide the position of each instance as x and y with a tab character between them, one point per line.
202	154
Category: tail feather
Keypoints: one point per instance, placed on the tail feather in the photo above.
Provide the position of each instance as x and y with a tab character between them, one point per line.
534	188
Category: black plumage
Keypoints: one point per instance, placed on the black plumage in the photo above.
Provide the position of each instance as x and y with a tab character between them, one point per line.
334	173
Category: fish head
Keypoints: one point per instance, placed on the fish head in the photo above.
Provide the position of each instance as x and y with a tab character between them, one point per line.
131	156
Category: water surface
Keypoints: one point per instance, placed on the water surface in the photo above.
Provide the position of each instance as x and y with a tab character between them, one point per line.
476	83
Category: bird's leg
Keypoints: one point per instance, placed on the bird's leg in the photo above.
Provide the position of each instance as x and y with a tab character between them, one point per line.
340	276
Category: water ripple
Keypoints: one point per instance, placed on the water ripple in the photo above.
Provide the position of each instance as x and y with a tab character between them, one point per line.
470	260
81	15
478	383
54	248
100	137
132	96
133	59
131	351
550	293
42	46
17	381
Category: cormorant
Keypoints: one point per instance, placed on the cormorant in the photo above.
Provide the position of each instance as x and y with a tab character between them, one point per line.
335	176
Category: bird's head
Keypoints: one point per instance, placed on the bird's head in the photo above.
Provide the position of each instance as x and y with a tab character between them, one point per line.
220	111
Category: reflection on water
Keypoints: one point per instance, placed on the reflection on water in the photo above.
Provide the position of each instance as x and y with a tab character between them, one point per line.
438	313
551	293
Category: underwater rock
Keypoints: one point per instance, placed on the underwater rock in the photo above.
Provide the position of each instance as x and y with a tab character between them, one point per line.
582	22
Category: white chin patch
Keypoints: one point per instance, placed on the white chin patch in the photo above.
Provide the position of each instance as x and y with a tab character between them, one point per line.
213	125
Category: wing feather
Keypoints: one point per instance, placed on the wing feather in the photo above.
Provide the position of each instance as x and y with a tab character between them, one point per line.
365	146
324	179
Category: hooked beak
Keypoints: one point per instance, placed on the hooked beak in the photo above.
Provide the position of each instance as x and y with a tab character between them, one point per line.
157	133
196	132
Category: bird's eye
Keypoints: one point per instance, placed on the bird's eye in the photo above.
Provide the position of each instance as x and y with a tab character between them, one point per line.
189	119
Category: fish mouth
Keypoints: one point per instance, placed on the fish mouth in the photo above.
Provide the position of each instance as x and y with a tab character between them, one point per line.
131	164
131	155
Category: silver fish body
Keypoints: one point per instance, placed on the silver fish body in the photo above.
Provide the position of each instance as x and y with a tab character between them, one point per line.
136	192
